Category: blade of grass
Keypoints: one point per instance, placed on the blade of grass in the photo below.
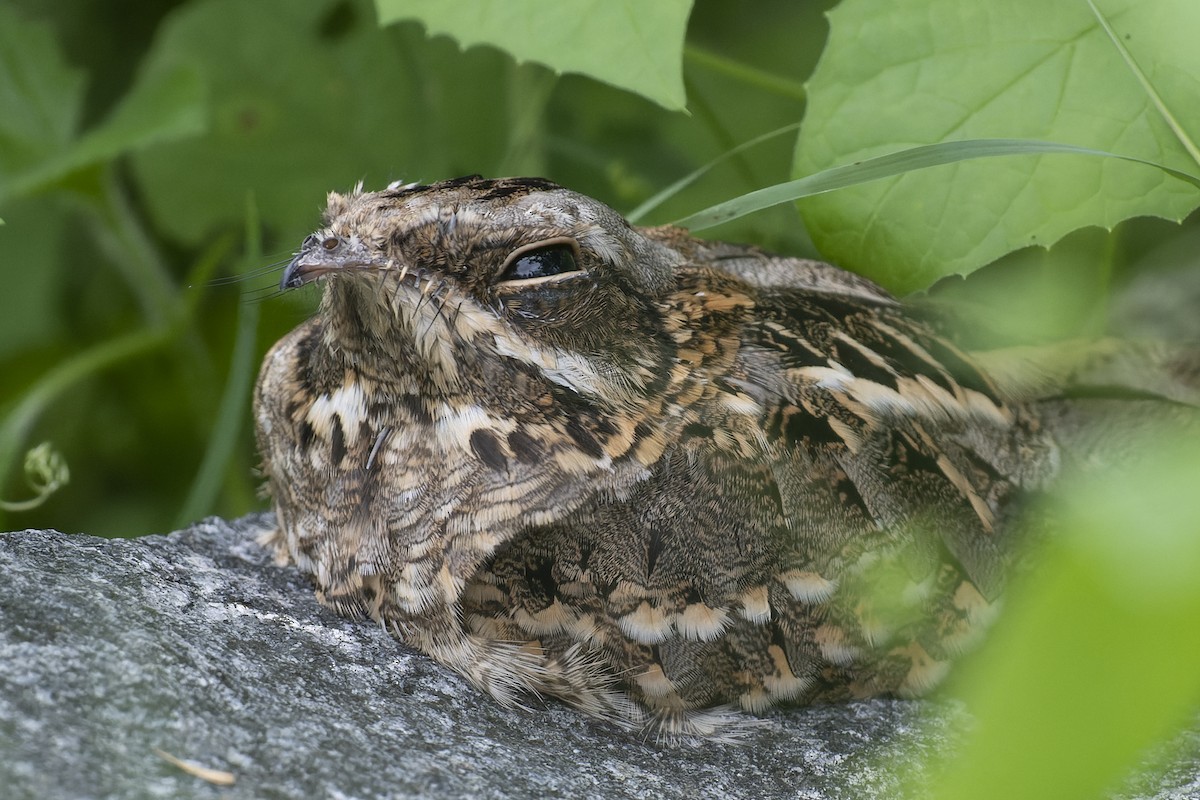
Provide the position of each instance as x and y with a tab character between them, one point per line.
1151	92
687	180
223	442
891	164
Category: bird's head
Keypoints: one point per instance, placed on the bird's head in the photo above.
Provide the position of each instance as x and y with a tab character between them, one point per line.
467	280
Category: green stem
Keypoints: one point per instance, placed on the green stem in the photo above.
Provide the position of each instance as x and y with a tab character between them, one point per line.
675	188
13	506
222	442
121	235
745	73
49	387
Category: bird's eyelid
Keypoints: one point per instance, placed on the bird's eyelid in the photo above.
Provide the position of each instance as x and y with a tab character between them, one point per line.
570	241
546	265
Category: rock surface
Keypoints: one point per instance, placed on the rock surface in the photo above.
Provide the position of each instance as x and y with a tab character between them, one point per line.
196	644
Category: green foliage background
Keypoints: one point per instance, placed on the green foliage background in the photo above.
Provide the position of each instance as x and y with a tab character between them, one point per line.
273	104
159	161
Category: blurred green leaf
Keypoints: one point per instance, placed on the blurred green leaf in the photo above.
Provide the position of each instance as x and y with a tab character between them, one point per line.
35	234
633	45
40	100
40	115
307	97
898	75
1096	658
40	96
167	106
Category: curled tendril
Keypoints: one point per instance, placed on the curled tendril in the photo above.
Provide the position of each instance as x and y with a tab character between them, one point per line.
46	472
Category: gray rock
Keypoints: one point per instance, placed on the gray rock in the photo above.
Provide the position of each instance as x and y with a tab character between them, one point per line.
196	644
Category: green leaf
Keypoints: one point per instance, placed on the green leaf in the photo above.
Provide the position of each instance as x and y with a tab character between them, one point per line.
897	75
40	96
633	45
165	106
34	245
1095	659
308	97
161	107
40	101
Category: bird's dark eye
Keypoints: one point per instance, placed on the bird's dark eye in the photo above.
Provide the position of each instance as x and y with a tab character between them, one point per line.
540	263
541	260
331	243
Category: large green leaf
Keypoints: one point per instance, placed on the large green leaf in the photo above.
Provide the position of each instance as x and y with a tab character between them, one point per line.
634	45
40	96
308	97
897	75
40	101
169	105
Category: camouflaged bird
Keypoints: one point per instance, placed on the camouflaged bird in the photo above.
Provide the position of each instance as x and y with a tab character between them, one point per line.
656	477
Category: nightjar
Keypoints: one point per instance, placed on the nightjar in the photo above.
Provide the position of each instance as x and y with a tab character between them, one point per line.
659	478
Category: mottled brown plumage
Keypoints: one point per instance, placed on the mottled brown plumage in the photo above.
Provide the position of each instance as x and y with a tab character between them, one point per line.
655	477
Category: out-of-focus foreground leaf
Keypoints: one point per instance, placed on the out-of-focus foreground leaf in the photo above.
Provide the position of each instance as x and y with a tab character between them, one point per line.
1095	658
897	75
634	45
